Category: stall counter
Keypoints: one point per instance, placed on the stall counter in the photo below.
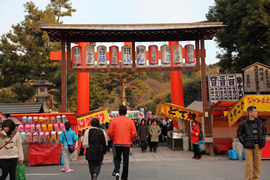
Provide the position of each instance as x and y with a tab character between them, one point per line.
266	149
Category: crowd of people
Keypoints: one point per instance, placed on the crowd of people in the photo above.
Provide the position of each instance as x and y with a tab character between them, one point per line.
123	133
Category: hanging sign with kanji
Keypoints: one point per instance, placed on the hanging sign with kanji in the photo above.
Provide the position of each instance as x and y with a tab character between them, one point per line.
261	102
130	114
225	87
85	121
174	112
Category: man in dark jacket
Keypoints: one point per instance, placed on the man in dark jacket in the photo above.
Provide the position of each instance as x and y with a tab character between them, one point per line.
94	140
251	134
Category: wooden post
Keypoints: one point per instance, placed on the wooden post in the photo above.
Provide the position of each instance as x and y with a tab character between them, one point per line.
133	54
63	107
207	116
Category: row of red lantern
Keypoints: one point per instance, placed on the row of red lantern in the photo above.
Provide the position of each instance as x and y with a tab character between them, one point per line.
126	55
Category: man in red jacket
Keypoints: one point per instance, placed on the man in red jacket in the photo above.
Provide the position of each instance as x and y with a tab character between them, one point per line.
195	138
122	132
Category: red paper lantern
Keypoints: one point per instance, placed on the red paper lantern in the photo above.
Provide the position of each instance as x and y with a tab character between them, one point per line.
189	50
77	55
153	54
114	55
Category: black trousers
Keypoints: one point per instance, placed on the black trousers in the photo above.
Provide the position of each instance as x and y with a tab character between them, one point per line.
149	142
197	153
117	160
94	167
143	145
11	170
154	144
81	150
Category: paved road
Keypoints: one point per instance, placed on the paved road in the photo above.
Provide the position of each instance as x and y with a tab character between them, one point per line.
155	170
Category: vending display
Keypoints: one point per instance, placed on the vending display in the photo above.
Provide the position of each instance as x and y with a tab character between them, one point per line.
23	135
21	128
42	129
28	137
24	120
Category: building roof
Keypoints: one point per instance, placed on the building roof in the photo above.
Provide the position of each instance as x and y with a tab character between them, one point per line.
130	32
18	108
254	64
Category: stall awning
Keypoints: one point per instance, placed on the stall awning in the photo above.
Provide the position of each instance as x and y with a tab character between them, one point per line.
221	107
261	102
174	112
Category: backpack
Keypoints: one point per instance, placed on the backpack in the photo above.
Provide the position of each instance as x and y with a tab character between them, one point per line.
201	135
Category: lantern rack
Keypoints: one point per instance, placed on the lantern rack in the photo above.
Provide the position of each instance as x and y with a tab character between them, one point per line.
151	60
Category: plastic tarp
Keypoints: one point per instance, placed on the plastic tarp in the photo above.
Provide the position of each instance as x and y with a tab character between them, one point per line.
44	153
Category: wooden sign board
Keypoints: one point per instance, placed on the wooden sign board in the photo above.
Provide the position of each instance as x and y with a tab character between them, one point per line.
257	78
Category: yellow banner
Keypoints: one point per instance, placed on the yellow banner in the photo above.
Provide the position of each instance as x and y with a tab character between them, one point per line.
174	112
85	121
261	102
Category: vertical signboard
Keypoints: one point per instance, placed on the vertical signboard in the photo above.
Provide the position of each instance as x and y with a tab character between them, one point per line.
225	87
257	78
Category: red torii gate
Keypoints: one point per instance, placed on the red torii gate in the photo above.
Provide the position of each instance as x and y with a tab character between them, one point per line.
83	79
172	32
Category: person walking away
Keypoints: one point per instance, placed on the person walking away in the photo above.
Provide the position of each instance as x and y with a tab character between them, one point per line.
149	124
81	140
155	132
251	134
122	131
95	142
11	149
102	127
195	138
68	137
137	143
161	128
108	138
143	135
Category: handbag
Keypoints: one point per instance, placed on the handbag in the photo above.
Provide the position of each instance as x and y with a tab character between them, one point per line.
71	148
5	163
20	172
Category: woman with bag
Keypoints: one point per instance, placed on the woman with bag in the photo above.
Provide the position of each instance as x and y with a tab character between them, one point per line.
68	138
155	132
94	141
11	149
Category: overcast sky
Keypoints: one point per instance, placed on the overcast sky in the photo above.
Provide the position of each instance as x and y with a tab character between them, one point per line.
119	12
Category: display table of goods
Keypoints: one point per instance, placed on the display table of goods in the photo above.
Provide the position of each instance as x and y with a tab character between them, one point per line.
42	134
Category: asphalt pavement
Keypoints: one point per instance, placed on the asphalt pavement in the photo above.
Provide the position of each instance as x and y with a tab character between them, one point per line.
163	165
155	170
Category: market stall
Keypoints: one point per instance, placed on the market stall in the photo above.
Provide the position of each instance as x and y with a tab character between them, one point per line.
40	135
239	113
182	116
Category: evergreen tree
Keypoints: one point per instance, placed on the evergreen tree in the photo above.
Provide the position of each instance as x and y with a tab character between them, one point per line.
25	52
246	40
128	81
59	6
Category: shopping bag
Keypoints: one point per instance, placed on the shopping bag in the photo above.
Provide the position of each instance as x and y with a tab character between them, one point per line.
20	172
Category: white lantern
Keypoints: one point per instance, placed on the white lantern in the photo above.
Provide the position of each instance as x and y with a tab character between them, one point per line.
141	55
126	55
101	55
165	54
177	54
89	55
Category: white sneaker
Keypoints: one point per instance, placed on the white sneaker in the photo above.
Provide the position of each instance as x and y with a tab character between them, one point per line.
117	176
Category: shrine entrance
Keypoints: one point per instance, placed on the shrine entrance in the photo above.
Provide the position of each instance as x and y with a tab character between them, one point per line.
131	33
